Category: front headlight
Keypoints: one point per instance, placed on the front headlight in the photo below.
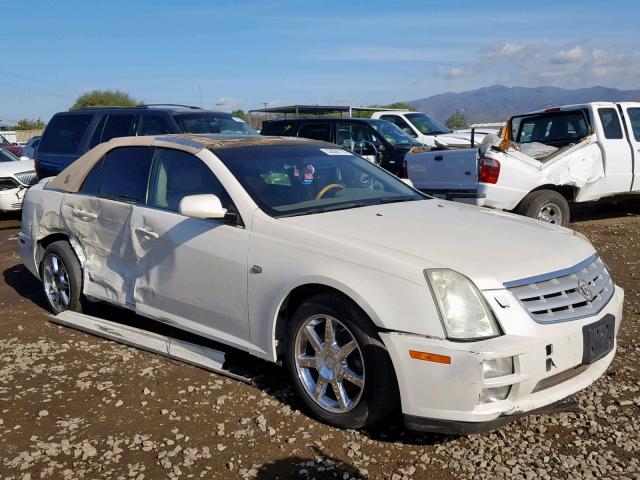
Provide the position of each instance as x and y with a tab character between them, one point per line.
465	315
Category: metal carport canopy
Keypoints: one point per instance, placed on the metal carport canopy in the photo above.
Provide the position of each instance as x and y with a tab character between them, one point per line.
320	109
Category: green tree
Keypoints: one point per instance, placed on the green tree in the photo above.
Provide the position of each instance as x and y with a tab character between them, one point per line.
104	98
241	114
457	120
29	124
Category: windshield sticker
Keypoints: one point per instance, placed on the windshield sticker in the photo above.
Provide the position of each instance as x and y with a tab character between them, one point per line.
334	151
307	174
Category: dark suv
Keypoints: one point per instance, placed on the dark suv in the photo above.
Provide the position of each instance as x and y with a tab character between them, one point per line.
378	141
70	134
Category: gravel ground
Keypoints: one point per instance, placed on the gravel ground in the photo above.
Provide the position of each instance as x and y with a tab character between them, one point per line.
76	406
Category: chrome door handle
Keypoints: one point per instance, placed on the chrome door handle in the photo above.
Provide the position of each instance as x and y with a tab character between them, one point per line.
146	233
82	215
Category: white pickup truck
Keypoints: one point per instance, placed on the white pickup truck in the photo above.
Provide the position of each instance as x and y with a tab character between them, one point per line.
545	161
434	134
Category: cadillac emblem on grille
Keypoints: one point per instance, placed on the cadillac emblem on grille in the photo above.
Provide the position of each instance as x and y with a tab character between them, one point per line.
585	290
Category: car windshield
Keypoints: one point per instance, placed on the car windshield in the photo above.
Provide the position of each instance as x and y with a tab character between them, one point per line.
7	156
426	125
289	180
392	134
208	122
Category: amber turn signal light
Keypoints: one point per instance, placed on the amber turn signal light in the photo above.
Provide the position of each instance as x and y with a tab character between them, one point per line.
430	357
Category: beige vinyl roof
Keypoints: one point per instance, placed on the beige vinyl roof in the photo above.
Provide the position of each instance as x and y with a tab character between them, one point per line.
71	178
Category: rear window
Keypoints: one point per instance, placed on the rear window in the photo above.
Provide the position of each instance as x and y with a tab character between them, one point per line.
316	131
64	133
288	129
551	128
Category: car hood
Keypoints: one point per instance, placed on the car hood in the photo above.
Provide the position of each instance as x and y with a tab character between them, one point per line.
11	168
488	246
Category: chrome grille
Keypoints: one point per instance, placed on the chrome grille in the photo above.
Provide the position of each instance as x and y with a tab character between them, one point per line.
27	178
574	293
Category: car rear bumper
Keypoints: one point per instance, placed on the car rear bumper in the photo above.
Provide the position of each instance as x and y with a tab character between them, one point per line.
26	246
447	397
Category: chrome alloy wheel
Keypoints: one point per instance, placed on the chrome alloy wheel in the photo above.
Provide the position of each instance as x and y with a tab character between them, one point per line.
550	213
329	363
56	283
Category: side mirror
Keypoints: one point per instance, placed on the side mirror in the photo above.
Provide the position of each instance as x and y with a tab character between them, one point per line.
202	206
407	181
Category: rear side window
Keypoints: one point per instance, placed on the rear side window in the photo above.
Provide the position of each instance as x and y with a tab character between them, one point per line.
64	133
125	174
118	126
97	133
610	123
279	128
154	125
316	131
634	118
91	184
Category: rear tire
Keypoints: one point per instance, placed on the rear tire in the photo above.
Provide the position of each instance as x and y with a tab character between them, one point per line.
345	391
61	276
547	206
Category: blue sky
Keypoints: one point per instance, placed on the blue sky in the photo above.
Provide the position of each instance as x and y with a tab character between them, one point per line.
243	53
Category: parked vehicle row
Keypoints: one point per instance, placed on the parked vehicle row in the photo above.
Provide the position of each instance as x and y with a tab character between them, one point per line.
11	147
70	134
375	296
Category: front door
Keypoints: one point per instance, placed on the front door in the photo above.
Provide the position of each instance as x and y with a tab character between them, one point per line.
191	273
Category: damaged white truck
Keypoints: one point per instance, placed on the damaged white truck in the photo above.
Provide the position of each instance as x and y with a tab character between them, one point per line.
544	162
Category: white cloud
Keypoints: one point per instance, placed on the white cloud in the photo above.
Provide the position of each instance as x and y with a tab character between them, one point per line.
454	72
548	63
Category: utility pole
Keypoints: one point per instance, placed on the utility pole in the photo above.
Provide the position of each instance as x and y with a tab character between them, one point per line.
265	107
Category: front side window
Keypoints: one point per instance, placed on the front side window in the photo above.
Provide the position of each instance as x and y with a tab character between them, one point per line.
125	174
118	126
634	118
177	174
352	135
64	133
208	122
610	123
307	179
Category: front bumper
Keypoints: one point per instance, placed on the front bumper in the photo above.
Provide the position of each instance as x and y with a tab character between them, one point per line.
11	200
447	397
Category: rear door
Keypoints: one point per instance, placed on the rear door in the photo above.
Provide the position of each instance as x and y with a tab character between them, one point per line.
99	217
616	151
631	116
443	171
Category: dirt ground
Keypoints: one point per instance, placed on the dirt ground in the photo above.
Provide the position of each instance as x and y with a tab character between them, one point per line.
77	406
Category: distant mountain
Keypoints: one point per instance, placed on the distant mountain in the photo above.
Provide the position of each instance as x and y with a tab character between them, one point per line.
498	102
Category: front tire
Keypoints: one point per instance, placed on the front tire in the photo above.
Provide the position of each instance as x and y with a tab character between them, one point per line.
61	276
547	206
339	367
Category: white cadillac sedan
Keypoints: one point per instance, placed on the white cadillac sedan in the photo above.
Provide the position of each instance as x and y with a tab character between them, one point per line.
375	296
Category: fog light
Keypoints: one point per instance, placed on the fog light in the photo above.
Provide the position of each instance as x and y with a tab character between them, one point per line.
498	367
495	394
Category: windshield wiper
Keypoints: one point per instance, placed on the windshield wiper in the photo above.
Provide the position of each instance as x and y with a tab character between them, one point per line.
327	208
404	198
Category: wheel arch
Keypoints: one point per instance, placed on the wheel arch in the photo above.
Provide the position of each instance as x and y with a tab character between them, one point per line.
298	294
47	240
569	192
